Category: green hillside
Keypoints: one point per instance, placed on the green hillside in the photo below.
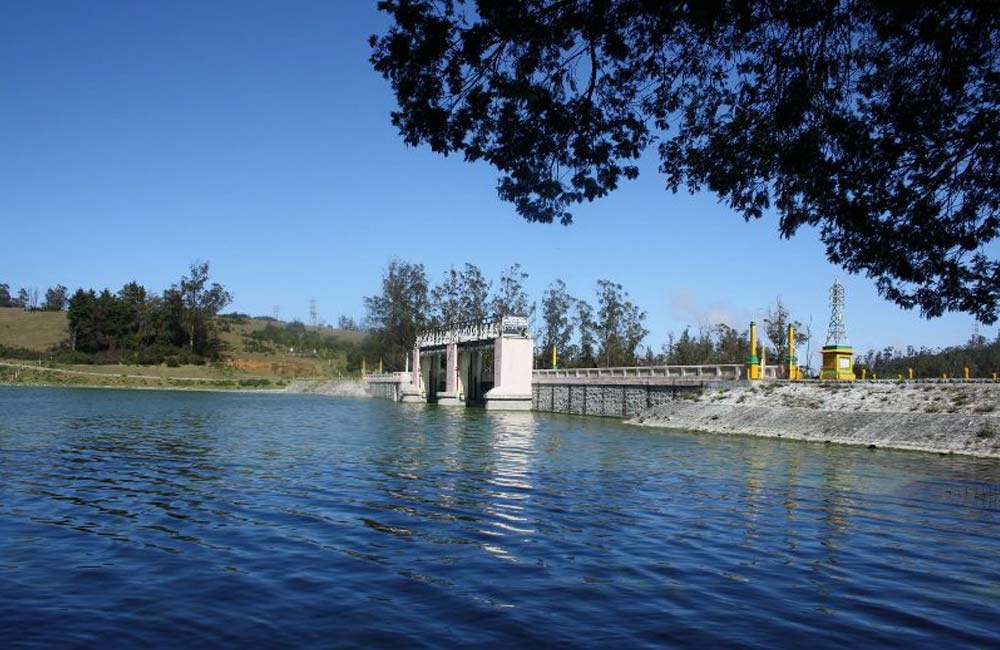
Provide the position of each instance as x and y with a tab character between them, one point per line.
248	353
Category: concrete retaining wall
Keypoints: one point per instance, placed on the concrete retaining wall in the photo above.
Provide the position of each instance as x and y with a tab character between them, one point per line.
384	390
608	399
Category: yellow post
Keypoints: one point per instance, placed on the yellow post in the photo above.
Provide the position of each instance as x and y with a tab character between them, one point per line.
793	368
864	372
753	361
910	371
874	376
966	372
555	358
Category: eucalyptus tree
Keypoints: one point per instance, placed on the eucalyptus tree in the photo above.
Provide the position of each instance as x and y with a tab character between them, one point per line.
620	328
776	323
475	292
56	298
583	318
399	312
511	297
446	298
5	298
557	321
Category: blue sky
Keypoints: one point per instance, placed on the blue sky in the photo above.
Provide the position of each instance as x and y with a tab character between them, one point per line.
139	137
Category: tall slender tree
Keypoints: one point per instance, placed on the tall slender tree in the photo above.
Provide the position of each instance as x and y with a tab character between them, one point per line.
587	327
557	321
619	325
56	298
446	298
511	297
475	293
399	312
776	323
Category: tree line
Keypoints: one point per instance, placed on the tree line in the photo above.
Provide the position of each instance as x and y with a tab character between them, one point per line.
56	298
980	355
136	325
609	331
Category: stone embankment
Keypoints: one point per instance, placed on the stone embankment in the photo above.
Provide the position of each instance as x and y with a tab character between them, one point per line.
334	388
943	417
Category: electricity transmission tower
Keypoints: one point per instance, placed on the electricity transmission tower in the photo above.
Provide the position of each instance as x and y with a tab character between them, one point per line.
836	334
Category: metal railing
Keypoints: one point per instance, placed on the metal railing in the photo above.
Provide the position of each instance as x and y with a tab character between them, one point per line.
474	330
398	377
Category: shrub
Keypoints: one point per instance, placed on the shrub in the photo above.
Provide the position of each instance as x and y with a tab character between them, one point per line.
253	381
73	357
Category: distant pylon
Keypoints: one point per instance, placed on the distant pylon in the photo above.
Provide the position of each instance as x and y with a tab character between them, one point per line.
836	334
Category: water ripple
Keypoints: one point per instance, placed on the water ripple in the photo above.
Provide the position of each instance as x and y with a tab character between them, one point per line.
144	518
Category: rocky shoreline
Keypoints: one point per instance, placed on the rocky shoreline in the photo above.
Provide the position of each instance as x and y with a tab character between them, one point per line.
930	417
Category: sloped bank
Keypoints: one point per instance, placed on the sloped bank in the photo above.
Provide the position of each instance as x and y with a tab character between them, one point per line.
330	388
942	418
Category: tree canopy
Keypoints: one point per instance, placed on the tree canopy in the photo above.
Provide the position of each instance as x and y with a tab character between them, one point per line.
877	123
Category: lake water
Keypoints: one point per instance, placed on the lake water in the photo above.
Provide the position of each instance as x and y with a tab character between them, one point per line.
135	518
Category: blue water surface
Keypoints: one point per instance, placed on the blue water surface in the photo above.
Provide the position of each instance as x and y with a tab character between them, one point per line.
181	519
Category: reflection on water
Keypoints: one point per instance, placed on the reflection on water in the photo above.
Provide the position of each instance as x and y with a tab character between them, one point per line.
146	518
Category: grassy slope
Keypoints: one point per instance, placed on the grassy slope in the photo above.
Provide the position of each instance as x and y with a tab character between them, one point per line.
33	330
40	331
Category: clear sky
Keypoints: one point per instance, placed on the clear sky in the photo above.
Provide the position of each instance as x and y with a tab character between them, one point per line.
139	137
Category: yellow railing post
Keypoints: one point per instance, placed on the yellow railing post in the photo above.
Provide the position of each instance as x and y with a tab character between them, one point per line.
966	369
910	371
793	368
753	361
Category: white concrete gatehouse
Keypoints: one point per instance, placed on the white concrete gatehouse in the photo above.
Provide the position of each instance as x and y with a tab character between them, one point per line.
486	362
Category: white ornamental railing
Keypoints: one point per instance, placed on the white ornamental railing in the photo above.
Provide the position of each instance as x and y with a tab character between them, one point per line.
475	330
710	371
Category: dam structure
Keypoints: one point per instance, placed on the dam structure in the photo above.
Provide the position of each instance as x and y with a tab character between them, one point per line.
478	362
489	363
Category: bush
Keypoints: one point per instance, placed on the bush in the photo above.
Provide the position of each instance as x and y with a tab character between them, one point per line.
254	382
73	357
18	353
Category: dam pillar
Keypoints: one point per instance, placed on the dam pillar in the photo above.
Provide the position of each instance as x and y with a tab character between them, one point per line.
513	356
412	392
451	395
